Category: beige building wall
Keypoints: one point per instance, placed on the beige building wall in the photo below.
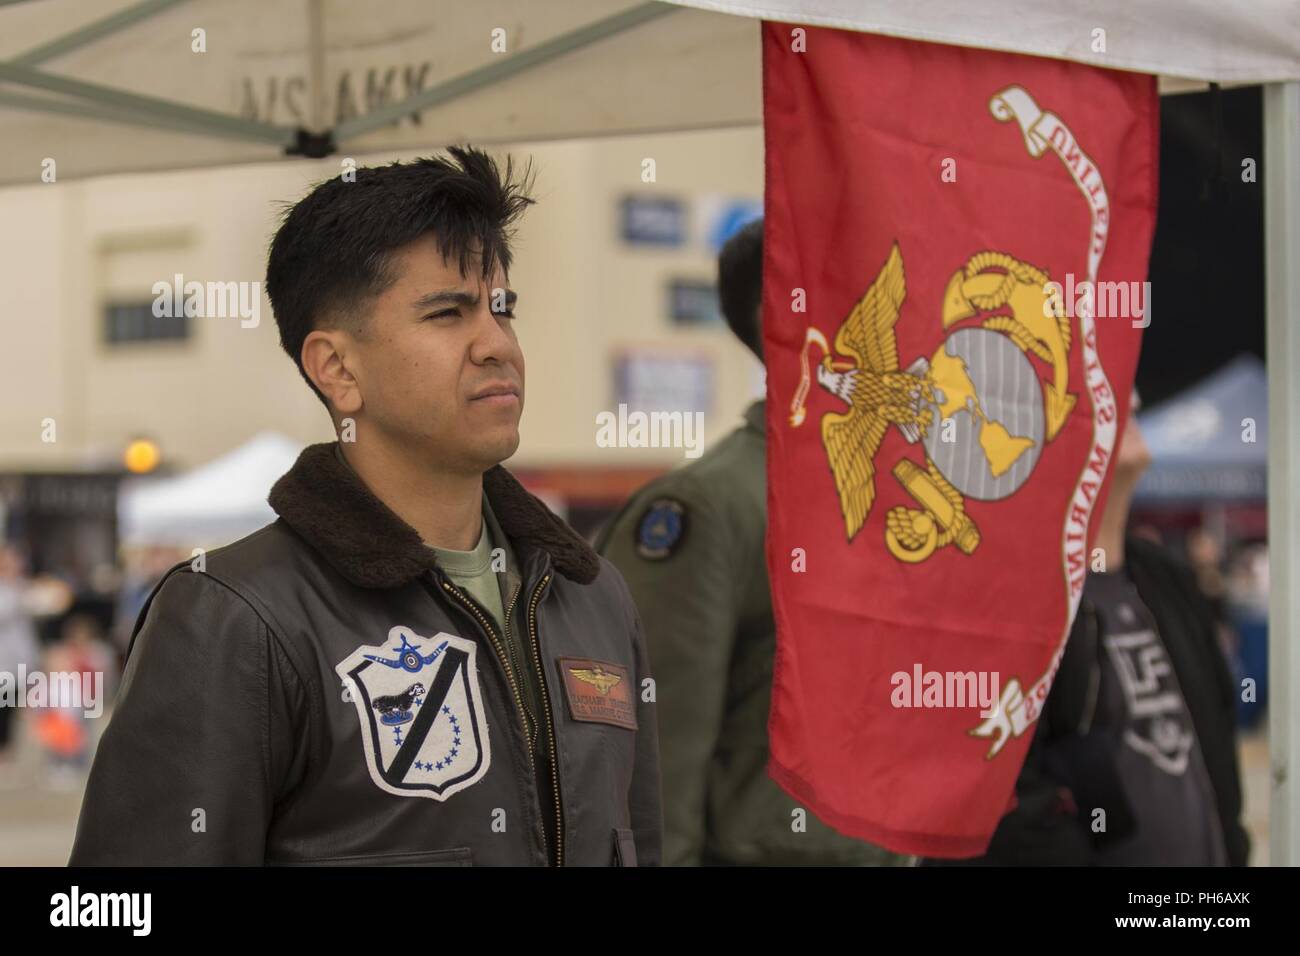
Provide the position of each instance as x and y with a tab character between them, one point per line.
68	248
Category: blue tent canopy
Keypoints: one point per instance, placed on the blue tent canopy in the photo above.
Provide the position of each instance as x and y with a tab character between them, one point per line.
1201	442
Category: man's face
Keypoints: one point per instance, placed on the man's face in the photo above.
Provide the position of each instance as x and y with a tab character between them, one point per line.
440	369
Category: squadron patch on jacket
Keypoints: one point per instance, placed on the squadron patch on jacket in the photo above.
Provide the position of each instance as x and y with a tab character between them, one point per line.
661	529
423	725
598	691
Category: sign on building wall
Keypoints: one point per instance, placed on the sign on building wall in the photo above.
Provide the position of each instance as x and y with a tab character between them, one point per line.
647	379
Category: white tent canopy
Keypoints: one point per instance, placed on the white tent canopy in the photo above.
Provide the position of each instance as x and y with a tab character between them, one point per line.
1216	41
214	504
116	86
132	85
1209	443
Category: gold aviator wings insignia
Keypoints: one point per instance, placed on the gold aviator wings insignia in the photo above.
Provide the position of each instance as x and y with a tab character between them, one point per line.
598	678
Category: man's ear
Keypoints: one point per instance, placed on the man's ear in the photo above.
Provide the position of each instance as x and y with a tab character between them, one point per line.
326	354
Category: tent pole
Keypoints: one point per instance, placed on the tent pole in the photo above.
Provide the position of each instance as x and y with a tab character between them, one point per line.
1282	306
93	31
316	65
165	111
505	67
103	114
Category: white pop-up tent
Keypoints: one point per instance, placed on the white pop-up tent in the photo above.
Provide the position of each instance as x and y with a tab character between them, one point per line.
1209	443
213	504
127	85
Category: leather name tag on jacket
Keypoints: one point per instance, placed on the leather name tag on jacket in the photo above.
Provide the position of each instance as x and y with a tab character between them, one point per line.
598	691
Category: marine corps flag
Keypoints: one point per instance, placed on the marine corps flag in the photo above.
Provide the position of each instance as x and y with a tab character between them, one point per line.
955	247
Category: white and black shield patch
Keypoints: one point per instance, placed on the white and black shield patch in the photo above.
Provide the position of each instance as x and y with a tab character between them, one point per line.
422	719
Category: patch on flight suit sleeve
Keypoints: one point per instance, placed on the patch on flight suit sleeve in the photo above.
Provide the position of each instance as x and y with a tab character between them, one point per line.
661	529
598	691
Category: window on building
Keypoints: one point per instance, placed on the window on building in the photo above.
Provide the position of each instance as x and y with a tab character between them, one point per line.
131	322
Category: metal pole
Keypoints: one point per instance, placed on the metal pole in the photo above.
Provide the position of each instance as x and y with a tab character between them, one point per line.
1282	281
516	63
316	65
121	101
94	31
103	114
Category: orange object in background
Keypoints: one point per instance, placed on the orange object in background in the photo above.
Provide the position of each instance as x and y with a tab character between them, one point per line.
60	733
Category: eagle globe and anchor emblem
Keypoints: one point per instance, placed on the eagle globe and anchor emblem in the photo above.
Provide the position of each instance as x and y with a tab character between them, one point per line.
976	405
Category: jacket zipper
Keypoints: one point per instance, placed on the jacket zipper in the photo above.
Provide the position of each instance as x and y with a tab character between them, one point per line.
514	599
505	662
472	607
550	725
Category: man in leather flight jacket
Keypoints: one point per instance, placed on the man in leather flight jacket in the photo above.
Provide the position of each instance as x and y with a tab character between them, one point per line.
327	690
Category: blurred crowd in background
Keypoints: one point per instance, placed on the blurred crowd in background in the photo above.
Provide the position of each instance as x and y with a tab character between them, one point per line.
72	620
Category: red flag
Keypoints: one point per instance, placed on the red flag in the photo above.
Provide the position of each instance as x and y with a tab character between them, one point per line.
949	233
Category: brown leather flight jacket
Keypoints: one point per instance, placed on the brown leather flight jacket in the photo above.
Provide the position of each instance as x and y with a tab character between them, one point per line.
322	693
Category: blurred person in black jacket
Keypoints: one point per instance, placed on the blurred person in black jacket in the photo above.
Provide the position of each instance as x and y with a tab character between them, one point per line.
1134	760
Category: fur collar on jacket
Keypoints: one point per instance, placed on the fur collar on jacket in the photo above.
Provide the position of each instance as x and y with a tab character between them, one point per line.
328	505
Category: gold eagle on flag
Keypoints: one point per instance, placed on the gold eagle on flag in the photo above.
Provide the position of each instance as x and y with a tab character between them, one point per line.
1018	313
877	392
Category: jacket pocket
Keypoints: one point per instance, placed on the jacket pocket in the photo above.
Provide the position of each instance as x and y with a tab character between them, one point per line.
459	856
624	848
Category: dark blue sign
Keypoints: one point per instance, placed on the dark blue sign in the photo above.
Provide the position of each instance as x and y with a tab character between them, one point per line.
653	221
